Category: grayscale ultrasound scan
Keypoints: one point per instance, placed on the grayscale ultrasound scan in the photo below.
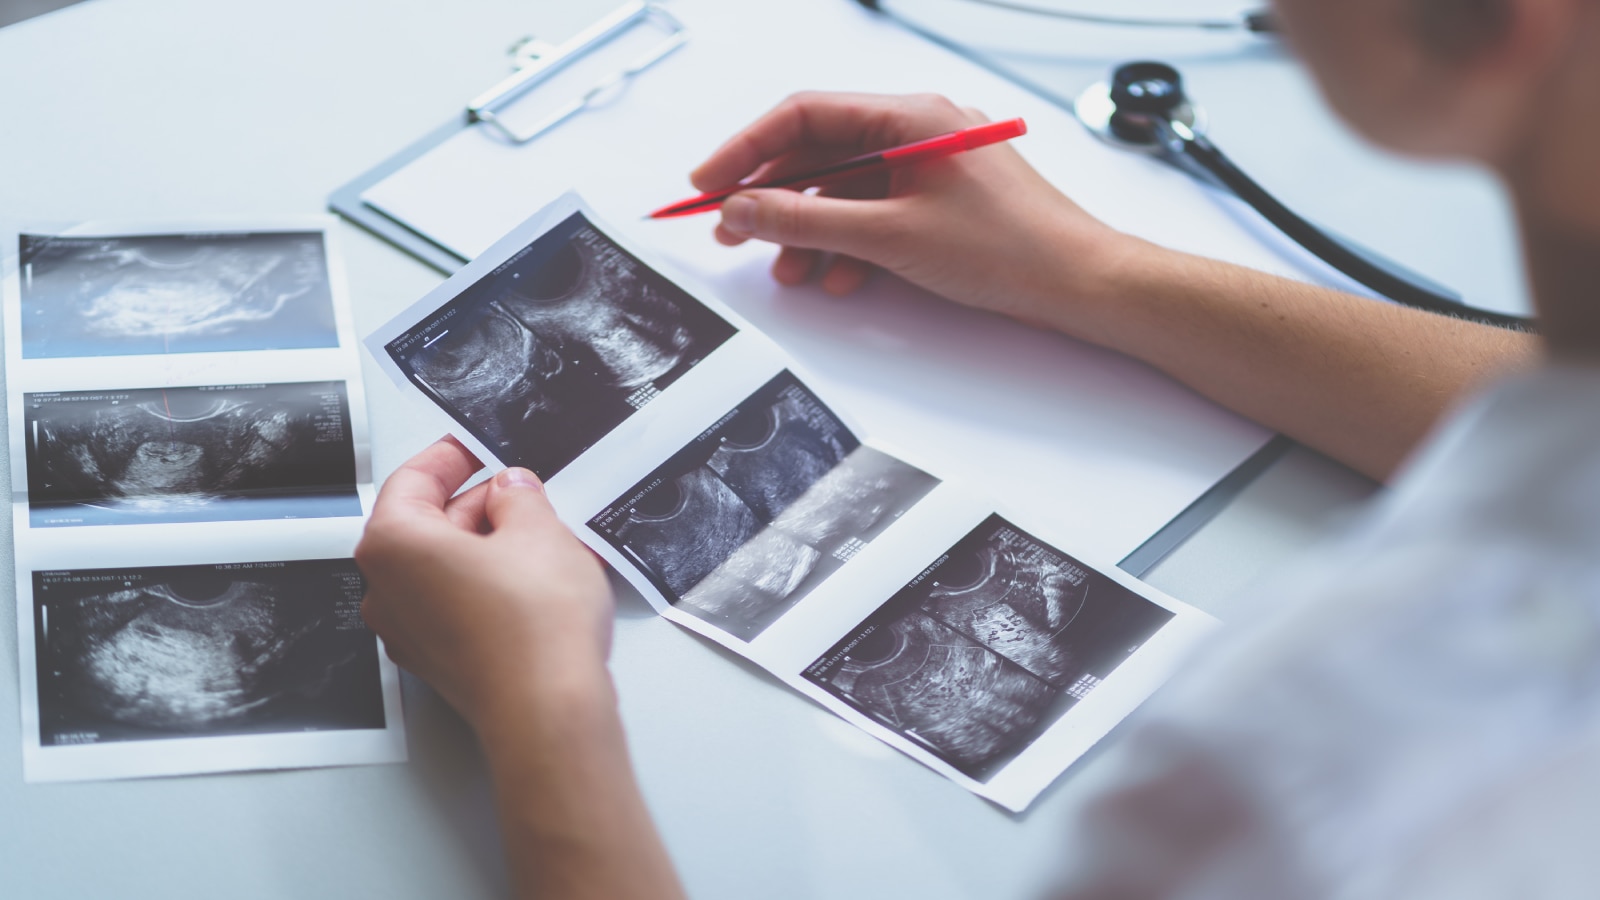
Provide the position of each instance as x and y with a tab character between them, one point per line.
190	454
741	524
201	651
988	647
559	345
185	293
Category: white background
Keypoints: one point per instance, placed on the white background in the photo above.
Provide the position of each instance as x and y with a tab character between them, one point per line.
147	108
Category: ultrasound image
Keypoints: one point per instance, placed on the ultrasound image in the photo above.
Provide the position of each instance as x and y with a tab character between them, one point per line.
941	688
189	293
192	454
988	647
753	514
198	651
758	580
773	454
689	525
854	501
561	344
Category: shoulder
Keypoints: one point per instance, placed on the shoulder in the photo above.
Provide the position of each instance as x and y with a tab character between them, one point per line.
1429	660
1528	835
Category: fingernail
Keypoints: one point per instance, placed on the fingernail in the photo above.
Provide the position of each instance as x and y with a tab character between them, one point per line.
739	214
518	478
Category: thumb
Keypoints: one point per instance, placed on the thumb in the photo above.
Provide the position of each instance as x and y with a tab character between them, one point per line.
794	219
517	503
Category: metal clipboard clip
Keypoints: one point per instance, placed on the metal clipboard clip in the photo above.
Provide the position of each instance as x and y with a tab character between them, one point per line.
537	62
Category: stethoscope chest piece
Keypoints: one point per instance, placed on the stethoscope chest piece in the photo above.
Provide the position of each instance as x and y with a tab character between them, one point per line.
1122	111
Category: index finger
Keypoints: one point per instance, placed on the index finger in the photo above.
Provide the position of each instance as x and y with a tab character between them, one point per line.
852	120
427	481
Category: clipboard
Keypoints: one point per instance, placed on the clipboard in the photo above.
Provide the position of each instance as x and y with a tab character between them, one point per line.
536	64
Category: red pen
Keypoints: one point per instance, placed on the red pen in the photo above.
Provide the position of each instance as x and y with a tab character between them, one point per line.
883	160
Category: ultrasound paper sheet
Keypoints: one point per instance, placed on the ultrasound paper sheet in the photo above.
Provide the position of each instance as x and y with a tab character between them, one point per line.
696	458
557	346
190	472
988	646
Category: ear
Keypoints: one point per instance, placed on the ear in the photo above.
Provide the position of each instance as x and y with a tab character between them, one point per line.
1554	59
1500	36
1492	62
1459	30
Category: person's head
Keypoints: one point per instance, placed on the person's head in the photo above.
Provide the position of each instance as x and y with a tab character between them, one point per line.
1450	77
1514	84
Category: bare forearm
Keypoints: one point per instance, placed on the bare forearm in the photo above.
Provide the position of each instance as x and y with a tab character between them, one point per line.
575	825
1359	380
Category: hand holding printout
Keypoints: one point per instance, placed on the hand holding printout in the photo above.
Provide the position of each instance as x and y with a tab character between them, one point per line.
487	596
687	450
502	633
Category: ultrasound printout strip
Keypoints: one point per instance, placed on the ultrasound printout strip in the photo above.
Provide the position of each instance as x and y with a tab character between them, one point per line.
705	465
190	471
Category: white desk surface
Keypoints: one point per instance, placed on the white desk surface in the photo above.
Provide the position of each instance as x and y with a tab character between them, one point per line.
167	108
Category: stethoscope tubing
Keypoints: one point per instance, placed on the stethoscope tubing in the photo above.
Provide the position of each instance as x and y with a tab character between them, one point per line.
1323	245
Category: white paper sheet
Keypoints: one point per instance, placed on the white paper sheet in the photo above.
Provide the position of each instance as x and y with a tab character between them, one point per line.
703	463
1030	414
190	472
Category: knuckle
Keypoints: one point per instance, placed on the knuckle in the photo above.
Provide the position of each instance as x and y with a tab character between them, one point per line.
395	654
783	216
374	546
794	105
387	545
366	552
372	610
891	237
936	111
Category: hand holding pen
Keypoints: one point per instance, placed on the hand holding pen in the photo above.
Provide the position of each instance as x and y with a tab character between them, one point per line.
859	166
980	228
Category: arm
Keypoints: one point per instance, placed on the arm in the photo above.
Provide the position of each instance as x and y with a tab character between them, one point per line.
1359	380
574	823
490	599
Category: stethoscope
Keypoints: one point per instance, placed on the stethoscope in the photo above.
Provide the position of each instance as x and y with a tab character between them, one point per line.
1144	109
1257	21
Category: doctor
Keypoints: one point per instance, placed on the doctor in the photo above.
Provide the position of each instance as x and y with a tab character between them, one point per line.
1415	713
